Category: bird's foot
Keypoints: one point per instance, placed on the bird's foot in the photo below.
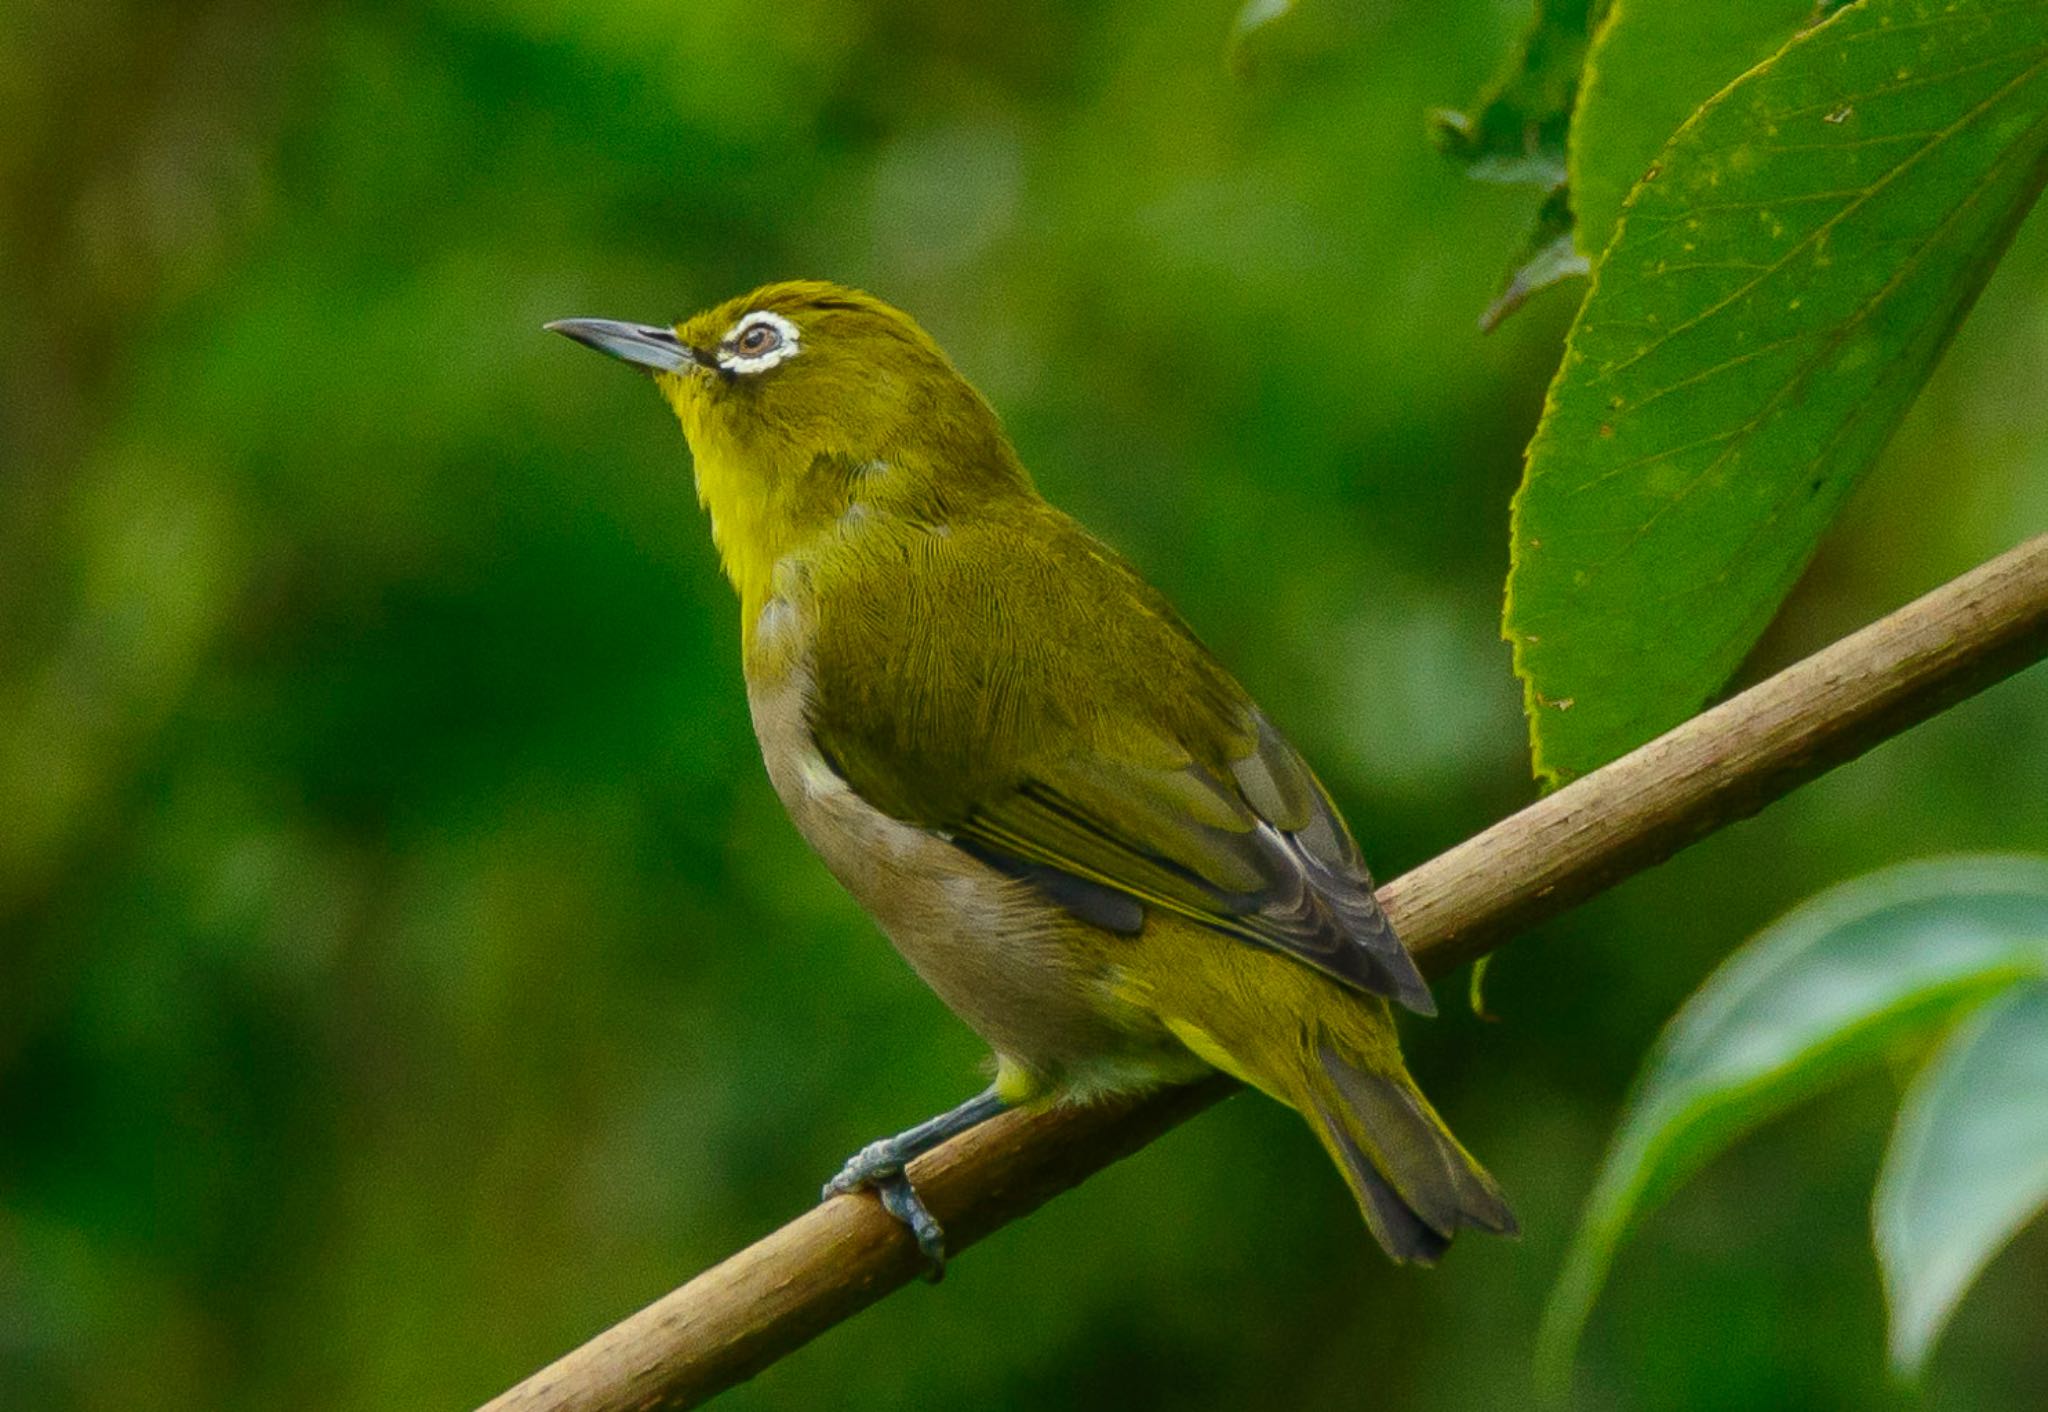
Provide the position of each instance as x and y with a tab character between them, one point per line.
879	1167
867	1167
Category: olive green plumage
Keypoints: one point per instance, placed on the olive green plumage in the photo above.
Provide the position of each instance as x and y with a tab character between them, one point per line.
1067	814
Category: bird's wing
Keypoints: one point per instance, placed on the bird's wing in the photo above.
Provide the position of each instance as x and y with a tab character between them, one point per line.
1255	850
1106	757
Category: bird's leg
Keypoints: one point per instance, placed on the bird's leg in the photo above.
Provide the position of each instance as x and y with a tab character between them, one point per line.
880	1165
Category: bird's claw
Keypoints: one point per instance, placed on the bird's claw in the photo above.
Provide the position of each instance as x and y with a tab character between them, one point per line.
900	1199
879	1167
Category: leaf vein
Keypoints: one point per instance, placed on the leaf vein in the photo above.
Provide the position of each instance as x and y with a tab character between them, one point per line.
1820	232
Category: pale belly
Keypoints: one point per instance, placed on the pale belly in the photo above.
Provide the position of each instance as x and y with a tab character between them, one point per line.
1039	985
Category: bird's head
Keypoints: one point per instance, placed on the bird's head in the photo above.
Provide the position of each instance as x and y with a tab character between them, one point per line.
803	399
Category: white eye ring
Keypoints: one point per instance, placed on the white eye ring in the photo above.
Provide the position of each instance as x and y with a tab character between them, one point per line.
743	350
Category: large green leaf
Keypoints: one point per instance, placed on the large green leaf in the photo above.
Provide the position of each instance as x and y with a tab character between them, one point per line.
1650	65
1824	989
1967	1168
1778	290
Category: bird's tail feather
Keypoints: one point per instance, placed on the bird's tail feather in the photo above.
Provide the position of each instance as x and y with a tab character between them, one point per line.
1416	1185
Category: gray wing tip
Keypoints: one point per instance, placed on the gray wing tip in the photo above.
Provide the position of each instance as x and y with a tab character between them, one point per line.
1398	977
1373	938
1416	996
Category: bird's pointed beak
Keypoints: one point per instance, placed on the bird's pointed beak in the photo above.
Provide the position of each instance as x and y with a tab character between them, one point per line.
646	344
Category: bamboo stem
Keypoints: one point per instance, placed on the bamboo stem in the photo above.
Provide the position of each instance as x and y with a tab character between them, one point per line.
1726	763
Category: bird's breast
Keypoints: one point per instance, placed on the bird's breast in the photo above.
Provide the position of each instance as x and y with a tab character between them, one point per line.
1027	976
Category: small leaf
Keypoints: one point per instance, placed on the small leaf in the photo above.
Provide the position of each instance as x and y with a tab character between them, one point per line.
1968	1167
1516	131
1773	300
1548	258
1650	65
1477	992
1240	52
1256	14
1824	989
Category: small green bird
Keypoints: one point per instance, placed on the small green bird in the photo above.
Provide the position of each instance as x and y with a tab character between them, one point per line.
1069	818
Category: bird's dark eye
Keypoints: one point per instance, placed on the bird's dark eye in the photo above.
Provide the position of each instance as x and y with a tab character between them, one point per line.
757	339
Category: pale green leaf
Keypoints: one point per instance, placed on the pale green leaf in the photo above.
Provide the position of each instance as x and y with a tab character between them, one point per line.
1968	1167
1257	14
1253	18
1548	258
1818	993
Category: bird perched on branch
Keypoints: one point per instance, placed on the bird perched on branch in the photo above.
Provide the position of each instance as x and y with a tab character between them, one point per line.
1068	817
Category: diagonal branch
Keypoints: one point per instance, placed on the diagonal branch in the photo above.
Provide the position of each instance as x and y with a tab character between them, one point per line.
836	1259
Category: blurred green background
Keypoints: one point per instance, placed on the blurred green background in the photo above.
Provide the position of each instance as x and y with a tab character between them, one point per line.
405	970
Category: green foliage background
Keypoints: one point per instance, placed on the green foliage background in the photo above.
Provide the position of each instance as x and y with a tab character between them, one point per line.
404	967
